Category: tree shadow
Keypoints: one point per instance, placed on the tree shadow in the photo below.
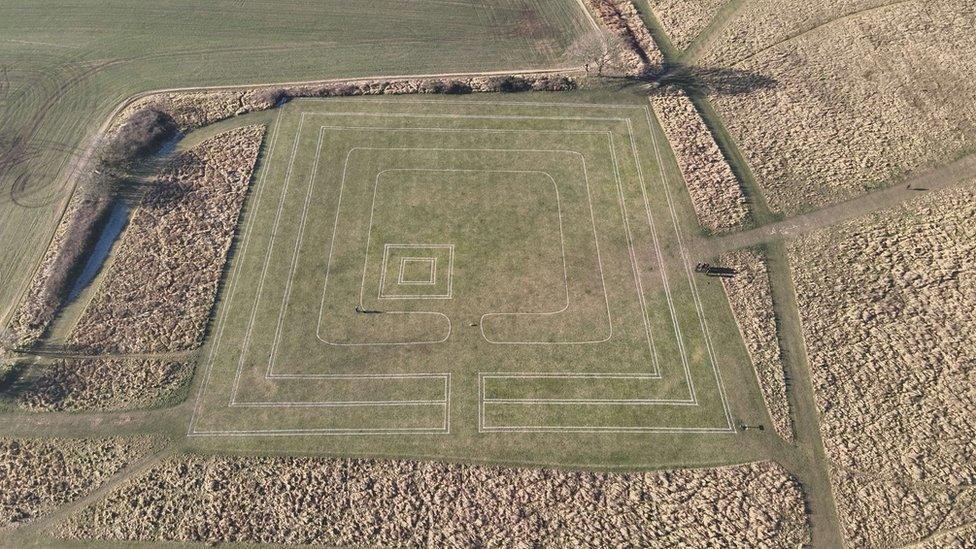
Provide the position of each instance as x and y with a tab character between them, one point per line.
674	78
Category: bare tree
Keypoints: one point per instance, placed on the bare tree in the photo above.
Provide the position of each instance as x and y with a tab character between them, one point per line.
602	54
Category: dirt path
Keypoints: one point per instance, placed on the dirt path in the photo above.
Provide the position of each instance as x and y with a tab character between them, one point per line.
819	27
726	14
962	172
700	44
168	421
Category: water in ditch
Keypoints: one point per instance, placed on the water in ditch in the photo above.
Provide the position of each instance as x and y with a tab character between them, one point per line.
117	219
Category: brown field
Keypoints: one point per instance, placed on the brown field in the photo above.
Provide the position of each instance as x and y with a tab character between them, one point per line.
878	512
886	305
860	100
38	475
714	189
957	539
405	503
683	20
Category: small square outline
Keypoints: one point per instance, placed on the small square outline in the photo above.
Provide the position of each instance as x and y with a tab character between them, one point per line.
387	248
432	272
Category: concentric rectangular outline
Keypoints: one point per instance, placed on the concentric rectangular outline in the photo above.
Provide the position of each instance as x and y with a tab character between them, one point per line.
668	195
531	130
431	266
387	248
638	286
683	251
654	375
693	398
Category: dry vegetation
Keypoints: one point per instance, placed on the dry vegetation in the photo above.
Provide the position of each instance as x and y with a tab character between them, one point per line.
143	133
759	24
860	100
751	299
714	189
425	504
197	109
640	54
43	295
106	384
683	20
963	538
886	304
158	292
876	512
38	475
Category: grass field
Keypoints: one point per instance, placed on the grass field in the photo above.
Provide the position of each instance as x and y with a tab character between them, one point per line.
64	67
521	269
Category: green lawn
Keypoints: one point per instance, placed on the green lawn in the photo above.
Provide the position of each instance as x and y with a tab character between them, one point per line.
526	296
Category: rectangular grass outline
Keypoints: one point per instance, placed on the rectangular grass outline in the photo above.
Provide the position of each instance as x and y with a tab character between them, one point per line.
598	287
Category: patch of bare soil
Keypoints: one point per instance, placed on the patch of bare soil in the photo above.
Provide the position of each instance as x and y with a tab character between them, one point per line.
38	475
424	504
886	303
863	96
751	299
714	189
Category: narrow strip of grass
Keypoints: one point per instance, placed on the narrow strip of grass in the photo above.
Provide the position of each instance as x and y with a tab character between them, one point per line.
811	466
761	213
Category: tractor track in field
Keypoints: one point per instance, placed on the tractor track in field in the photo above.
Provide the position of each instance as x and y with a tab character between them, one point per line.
18	145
